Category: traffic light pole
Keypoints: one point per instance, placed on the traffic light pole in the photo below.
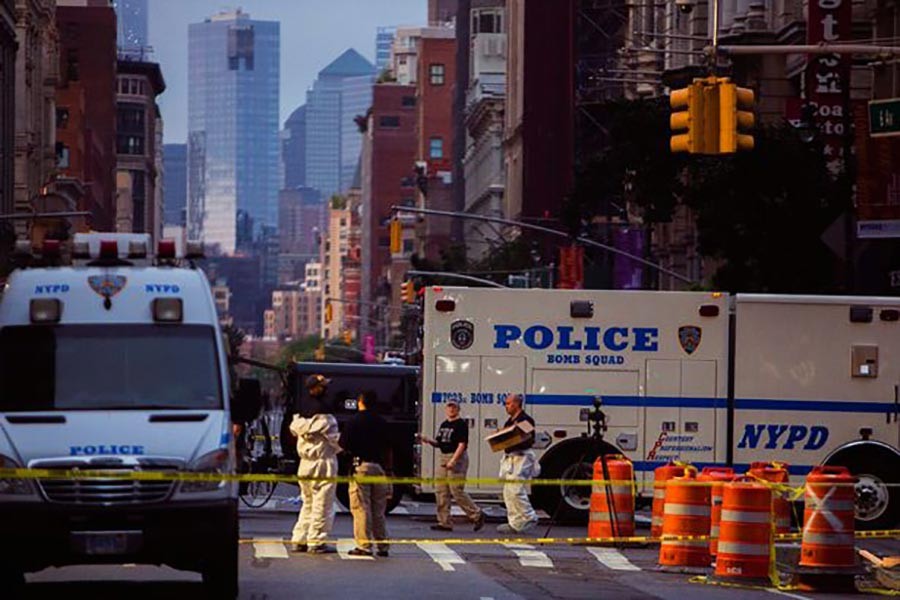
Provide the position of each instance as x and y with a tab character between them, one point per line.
455	276
547	230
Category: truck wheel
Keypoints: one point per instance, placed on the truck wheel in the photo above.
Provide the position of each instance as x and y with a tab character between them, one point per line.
877	492
220	575
343	496
570	503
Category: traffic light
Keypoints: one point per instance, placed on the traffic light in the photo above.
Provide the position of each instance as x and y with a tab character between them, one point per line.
408	292
687	117
396	236
735	117
329	312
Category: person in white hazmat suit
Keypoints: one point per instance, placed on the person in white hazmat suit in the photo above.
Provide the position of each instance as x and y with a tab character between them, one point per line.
317	445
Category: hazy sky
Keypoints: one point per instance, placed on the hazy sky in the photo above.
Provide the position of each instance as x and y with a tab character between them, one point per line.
313	33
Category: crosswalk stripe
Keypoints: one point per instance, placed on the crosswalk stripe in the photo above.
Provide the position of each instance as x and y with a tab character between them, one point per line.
529	557
442	555
613	559
269	550
345	546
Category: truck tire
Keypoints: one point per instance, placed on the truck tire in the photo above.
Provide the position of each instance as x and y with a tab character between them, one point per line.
572	460
877	493
343	496
220	574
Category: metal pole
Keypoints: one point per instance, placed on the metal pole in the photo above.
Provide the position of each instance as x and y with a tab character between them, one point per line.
48	215
455	276
811	49
583	240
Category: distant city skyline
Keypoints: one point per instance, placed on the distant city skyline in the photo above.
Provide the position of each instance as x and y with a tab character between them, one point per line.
313	34
132	23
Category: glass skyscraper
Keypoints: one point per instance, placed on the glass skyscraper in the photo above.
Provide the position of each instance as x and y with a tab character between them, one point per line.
132	28
342	91
384	39
233	144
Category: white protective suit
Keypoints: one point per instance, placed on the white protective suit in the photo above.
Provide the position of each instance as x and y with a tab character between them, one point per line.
317	445
520	464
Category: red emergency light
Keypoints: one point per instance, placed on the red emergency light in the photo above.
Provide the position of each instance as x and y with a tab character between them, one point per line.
109	249
51	249
166	249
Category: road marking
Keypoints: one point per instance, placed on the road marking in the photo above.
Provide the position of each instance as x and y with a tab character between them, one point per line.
613	559
400	510
345	546
269	550
529	557
780	593
442	555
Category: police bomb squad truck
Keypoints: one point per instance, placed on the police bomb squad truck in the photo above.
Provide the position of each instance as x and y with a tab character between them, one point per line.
115	364
705	378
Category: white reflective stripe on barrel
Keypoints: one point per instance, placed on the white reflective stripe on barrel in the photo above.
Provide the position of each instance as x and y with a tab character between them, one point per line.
616	489
656	521
745	516
830	505
604	516
742	548
714	531
691	543
828	539
661	494
686	510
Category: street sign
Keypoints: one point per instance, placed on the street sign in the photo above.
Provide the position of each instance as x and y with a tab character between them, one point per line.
878	229
884	117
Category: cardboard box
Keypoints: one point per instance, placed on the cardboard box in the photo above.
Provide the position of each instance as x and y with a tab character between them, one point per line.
510	436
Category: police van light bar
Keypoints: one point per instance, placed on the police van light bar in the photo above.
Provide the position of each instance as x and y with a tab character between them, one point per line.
168	310
81	250
109	249
166	249
51	249
860	314
709	310
445	305
45	310
137	249
194	250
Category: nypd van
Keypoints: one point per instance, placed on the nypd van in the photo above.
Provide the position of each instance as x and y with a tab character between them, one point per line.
701	377
115	364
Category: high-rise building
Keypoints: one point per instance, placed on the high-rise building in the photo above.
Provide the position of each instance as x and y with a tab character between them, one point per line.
233	152
384	39
175	183
132	28
342	91
7	102
442	12
293	149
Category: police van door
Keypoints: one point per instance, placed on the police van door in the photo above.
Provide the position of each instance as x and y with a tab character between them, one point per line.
457	377
500	376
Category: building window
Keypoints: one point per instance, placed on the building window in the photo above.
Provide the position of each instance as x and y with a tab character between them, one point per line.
408	246
436	148
62	118
130	129
436	74
389	122
407	201
138	201
487	21
240	46
62	155
408	101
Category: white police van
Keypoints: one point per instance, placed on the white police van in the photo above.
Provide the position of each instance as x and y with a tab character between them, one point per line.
117	364
693	376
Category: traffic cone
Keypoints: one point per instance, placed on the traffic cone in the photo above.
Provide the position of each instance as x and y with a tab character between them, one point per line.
616	493
775	472
686	515
745	532
718	476
660	476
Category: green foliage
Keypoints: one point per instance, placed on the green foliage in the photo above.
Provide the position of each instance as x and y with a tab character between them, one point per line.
299	350
338	202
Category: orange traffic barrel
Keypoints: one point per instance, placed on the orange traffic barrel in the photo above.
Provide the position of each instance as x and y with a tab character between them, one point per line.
686	514
660	476
745	530
775	472
828	526
718	476
612	498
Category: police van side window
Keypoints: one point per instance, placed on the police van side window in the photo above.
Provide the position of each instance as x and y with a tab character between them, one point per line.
108	367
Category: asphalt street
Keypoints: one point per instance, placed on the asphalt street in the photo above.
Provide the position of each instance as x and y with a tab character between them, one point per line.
268	571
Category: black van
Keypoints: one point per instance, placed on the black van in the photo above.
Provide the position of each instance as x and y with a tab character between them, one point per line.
397	391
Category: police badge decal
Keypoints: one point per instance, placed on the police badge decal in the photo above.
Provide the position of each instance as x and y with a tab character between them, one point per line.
462	334
689	338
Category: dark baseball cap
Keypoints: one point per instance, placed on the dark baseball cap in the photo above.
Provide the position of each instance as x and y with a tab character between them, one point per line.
317	379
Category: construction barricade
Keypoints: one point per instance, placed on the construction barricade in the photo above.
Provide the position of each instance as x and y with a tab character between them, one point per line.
686	514
775	472
661	475
612	498
745	532
718	476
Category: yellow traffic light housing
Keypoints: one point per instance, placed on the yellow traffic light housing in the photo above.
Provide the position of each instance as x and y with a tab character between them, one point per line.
348	337
736	118
396	236
408	292
329	312
687	119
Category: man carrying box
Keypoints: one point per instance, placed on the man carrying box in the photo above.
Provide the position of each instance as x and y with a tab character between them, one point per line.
518	463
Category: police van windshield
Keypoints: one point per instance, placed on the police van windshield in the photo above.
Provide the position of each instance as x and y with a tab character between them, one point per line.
108	367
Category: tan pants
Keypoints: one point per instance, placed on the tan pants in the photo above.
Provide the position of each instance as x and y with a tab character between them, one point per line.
368	503
457	491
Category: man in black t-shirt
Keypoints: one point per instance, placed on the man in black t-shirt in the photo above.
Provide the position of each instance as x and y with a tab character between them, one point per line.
452	441
519	462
